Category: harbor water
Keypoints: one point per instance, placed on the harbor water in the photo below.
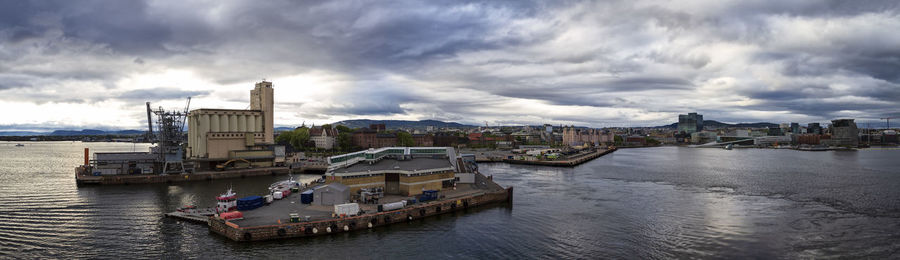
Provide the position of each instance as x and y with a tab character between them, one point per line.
665	202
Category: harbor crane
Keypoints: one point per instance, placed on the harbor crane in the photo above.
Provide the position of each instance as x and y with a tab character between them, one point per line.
888	119
169	136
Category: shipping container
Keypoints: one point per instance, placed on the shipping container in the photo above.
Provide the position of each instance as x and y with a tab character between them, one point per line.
349	209
306	197
250	203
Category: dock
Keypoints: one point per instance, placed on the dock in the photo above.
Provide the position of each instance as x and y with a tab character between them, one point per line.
271	222
188	217
182	177
568	162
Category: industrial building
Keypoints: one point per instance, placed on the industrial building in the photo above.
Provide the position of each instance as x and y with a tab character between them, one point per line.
403	171
216	136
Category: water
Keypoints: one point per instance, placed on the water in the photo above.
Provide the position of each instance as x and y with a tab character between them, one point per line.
635	203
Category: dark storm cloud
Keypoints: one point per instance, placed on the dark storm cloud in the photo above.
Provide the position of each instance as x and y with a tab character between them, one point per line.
625	59
124	26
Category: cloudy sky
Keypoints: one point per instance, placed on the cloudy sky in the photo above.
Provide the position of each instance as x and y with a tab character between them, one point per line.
74	64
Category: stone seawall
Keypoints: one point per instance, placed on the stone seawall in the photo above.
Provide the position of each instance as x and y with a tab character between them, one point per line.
564	163
199	176
322	227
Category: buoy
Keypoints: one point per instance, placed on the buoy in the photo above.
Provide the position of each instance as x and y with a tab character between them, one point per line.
370	224
315	230
409	217
346	228
328	229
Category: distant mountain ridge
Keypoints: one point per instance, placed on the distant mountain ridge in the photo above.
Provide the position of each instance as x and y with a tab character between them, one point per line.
95	132
717	124
83	132
396	124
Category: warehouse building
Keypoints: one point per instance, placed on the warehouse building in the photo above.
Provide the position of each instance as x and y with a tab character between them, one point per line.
403	171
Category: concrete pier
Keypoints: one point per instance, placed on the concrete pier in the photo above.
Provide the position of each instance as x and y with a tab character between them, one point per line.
365	221
169	178
570	162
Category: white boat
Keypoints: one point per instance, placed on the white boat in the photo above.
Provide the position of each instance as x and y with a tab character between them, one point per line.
226	201
283	185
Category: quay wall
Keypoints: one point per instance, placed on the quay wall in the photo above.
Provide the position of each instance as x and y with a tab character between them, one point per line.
564	163
199	176
323	227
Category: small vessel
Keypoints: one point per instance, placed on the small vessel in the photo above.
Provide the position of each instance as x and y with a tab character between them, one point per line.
19	145
289	184
226	202
729	146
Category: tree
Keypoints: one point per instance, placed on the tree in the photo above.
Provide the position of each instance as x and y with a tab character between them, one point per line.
343	129
284	138
651	141
344	141
300	138
405	139
618	140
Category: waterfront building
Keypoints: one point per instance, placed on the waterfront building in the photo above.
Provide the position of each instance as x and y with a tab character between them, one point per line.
378	127
217	135
808	139
795	128
703	137
324	138
445	139
690	123
364	138
775	131
578	137
767	141
423	140
404	171
814	128
635	141
844	133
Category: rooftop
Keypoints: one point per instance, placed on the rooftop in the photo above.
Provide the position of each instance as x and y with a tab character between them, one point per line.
391	164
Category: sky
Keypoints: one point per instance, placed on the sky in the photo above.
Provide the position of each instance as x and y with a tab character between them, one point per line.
93	64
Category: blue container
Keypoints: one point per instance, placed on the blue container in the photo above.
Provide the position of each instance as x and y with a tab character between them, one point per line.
428	195
250	203
306	197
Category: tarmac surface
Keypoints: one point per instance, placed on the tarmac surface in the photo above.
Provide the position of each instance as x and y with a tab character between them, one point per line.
280	210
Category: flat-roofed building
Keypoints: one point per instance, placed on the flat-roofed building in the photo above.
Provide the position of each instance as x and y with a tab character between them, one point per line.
398	170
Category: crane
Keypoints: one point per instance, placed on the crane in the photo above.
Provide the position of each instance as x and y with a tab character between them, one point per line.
888	119
186	107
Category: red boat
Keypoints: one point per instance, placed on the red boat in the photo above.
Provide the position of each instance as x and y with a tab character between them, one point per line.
226	202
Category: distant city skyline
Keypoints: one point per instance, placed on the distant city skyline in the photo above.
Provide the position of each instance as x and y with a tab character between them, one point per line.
93	64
